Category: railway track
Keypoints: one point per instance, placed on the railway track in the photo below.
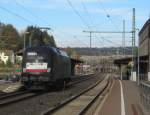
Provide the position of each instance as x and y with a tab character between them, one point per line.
80	80
5	101
10	98
79	104
9	95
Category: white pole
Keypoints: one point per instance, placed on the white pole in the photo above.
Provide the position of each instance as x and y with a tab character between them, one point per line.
121	71
138	62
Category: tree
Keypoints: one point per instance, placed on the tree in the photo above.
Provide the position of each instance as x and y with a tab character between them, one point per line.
48	39
9	63
10	38
2	64
38	37
72	53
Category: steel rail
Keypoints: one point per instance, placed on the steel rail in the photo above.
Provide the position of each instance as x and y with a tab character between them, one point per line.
67	101
9	95
18	99
6	100
79	81
93	101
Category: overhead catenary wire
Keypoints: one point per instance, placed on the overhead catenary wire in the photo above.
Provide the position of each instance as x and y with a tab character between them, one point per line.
90	17
87	12
85	9
17	15
77	13
30	12
107	14
80	41
31	22
34	15
114	43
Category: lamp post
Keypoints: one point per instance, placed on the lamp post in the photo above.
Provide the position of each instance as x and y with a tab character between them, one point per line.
25	40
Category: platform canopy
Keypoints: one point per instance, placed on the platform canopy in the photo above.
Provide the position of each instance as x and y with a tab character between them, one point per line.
123	61
127	60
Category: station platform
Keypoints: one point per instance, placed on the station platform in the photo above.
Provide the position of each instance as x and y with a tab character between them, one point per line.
123	99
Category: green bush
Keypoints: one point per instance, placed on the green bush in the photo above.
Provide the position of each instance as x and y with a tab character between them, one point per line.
2	64
9	63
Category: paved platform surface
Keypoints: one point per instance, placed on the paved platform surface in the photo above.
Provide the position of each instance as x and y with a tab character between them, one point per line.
123	99
10	87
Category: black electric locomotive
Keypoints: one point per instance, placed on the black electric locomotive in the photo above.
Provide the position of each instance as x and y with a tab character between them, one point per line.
44	66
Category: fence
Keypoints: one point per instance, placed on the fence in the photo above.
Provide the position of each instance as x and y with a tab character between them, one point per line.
145	95
143	77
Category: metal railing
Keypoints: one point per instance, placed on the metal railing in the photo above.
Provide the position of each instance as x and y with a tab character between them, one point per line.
145	94
143	77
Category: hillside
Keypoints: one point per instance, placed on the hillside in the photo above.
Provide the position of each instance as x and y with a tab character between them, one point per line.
103	51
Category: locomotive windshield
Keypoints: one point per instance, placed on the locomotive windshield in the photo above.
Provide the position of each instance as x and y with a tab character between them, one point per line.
34	57
36	60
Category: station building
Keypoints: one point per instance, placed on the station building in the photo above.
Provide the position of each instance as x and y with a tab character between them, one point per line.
144	54
144	51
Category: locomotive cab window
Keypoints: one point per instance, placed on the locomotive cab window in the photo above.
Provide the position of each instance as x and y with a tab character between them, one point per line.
36	57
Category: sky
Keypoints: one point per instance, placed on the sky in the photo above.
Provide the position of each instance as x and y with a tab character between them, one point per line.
69	18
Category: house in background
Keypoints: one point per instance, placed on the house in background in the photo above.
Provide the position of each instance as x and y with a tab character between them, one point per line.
7	54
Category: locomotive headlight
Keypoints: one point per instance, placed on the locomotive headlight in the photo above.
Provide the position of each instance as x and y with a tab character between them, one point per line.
24	69
49	70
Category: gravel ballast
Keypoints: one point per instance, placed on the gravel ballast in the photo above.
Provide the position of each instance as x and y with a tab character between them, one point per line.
35	106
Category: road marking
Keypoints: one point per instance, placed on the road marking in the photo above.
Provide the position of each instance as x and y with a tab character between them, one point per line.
122	100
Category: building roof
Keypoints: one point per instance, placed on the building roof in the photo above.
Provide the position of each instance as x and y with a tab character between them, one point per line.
76	61
7	52
19	53
145	25
125	61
